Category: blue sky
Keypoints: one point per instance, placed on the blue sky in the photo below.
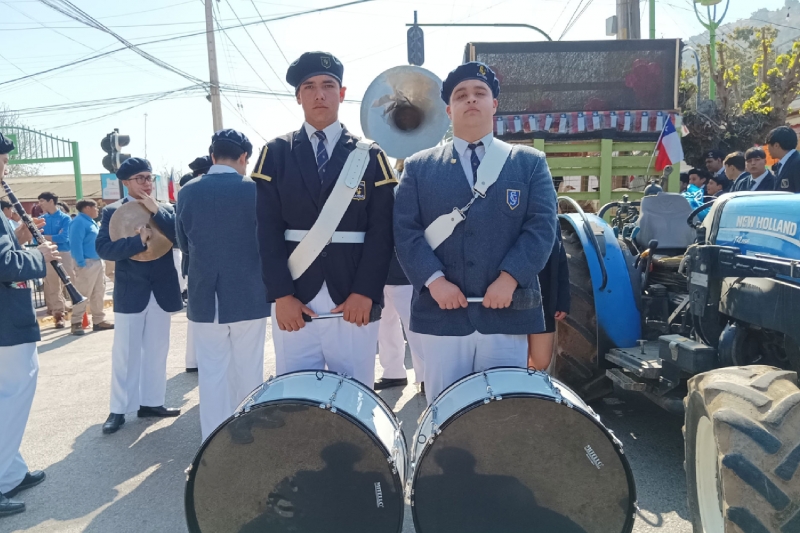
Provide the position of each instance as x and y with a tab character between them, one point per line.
369	38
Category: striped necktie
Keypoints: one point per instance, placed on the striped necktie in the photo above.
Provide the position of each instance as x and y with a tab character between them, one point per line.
474	160
322	153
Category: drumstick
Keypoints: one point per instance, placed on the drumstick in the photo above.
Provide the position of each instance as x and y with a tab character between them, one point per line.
522	299
374	315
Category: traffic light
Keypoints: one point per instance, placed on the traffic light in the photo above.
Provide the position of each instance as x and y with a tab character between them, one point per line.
112	144
416	44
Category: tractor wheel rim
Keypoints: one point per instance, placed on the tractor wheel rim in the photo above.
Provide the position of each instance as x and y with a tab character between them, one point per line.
707	478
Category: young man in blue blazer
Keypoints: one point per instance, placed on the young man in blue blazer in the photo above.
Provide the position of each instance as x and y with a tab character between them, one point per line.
501	245
228	309
145	293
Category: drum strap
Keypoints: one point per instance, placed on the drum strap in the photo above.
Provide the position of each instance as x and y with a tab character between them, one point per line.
332	212
489	170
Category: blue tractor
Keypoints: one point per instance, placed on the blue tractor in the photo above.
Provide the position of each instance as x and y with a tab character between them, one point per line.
702	318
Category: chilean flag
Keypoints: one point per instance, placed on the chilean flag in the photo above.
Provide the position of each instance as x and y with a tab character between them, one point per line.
670	151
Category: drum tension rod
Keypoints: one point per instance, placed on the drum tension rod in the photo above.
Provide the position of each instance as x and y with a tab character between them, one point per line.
489	391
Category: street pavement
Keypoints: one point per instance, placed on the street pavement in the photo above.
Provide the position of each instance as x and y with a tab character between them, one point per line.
133	481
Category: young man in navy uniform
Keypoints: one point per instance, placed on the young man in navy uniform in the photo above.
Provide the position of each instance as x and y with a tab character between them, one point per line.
19	361
295	175
145	293
228	309
782	145
501	245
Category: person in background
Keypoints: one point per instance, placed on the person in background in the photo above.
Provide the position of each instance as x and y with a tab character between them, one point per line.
90	279
735	169
717	186
760	179
56	230
64	207
8	211
684	181
699	177
782	145
554	284
714	163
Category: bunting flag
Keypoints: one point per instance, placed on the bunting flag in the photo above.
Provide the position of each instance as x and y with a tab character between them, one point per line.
582	122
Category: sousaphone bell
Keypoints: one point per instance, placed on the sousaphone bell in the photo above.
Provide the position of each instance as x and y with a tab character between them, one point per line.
403	111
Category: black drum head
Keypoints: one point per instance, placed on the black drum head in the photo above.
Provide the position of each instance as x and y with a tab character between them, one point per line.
523	465
293	467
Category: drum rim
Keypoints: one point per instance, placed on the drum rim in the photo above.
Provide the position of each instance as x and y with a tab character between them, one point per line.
528	370
188	494
618	448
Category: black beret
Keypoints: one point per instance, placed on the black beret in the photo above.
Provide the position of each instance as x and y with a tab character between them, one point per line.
186	178
132	166
6	145
201	165
314	64
715	154
474	70
233	137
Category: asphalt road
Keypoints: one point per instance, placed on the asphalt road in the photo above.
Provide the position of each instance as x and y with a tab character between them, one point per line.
133	481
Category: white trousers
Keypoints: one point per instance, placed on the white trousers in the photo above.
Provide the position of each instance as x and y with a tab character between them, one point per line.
230	360
176	258
448	359
191	352
139	358
19	370
333	343
391	344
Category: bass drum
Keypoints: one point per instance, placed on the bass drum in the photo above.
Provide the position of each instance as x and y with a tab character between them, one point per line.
513	451
308	452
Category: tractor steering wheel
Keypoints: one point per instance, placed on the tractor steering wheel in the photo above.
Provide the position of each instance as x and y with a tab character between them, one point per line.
697	211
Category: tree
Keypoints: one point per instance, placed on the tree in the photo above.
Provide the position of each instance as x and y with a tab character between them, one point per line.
8	119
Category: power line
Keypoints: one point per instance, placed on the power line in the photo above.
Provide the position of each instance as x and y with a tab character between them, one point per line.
268	31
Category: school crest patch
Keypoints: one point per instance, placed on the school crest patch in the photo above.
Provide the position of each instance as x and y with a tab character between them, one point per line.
326	61
784	183
361	192
512	198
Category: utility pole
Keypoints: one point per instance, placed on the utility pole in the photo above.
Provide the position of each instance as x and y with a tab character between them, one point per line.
216	104
628	20
652	19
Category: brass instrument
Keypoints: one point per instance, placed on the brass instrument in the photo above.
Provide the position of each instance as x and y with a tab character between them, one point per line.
132	215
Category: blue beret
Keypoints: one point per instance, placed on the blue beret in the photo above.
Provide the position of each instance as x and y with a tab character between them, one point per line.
201	164
233	137
132	166
474	70
313	64
6	145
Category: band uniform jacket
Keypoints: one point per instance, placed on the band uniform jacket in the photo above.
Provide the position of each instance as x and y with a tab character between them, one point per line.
767	184
290	196
220	242
512	229
554	282
135	280
18	323
788	179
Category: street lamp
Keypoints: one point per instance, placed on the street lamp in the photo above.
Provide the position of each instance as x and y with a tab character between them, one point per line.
711	23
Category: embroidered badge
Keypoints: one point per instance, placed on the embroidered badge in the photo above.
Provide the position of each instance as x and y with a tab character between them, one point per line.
361	192
512	198
482	70
326	61
784	184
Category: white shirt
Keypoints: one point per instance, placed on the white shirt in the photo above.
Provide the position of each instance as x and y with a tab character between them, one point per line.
784	159
465	154
221	169
757	181
332	134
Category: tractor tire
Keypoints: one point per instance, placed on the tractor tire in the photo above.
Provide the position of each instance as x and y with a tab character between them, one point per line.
742	441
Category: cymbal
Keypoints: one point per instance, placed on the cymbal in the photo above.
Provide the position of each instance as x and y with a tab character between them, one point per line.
132	215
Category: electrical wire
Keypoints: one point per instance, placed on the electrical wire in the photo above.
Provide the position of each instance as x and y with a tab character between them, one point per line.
268	31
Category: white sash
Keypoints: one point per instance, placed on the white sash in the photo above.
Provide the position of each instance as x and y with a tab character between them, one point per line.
488	171
332	212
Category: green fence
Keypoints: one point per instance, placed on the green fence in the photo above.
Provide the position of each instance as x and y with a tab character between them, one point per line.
34	147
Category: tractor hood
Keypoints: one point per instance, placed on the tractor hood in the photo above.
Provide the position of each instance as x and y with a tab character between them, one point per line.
757	223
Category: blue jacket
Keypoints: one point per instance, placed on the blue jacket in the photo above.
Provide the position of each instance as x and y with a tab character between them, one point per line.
18	323
499	234
216	228
57	226
82	234
135	280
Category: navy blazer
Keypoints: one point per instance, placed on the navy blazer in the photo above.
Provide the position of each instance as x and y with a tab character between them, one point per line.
767	184
290	195
554	281
18	323
134	281
788	179
224	267
513	230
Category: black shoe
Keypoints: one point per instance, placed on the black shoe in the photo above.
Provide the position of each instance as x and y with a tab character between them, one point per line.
190	370
113	423
31	479
160	412
102	326
9	507
385	383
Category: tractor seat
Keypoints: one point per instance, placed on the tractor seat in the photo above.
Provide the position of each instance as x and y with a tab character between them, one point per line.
663	218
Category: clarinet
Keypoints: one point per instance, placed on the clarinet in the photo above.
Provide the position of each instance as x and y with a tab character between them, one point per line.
74	295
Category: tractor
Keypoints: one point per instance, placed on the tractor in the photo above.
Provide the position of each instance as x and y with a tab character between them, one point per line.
702	318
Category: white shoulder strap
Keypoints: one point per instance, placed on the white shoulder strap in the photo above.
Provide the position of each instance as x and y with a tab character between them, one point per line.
332	212
488	171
